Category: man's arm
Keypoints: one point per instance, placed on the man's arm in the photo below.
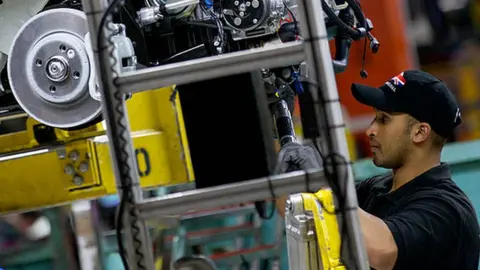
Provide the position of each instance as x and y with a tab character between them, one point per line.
411	238
381	247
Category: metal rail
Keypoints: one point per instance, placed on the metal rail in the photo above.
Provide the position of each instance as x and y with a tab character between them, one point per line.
137	243
211	67
224	195
325	94
317	54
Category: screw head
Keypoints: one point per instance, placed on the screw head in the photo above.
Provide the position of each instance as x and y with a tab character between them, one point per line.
74	155
83	167
289	206
62	154
77	180
69	170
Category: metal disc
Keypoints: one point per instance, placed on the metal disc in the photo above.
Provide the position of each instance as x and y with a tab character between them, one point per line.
49	69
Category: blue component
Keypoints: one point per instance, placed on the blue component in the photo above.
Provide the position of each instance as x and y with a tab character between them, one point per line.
109	201
209	3
297	84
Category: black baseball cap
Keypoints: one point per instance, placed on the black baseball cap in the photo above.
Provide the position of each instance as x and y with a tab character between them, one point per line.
417	93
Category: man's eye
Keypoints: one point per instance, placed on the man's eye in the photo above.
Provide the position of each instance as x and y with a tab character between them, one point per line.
382	119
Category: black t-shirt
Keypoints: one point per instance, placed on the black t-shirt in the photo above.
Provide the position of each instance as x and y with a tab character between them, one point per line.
432	221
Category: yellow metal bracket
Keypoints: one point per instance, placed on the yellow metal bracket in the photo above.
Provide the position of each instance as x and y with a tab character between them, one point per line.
321	205
78	165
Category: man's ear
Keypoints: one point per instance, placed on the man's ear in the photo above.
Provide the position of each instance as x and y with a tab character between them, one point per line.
421	132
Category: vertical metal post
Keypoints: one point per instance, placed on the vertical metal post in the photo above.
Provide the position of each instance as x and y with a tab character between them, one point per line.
318	57
115	114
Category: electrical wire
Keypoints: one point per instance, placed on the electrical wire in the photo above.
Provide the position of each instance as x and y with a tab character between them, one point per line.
333	161
331	176
293	18
354	33
217	21
127	202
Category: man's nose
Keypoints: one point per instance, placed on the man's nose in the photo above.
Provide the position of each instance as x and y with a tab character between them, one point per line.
371	130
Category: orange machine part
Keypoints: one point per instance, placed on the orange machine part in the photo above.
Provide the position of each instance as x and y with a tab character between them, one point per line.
394	56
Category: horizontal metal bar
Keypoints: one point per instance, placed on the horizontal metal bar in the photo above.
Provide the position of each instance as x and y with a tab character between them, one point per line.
29	152
13	115
219	214
247	191
198	217
211	67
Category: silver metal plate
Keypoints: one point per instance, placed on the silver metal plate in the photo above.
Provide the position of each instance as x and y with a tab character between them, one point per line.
50	69
301	236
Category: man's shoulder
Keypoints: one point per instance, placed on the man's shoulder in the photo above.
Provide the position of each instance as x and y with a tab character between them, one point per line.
447	199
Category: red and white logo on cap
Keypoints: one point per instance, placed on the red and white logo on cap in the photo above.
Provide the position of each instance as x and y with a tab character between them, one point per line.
397	81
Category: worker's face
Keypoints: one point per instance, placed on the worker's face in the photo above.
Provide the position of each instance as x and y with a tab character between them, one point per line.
390	139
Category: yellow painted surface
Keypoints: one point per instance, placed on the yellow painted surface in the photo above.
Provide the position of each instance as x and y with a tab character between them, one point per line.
40	179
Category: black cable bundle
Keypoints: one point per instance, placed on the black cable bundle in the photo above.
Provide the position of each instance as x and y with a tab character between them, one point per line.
331	161
127	202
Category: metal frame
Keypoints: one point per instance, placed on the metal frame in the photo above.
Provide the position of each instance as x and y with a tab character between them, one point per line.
211	67
317	54
231	194
323	75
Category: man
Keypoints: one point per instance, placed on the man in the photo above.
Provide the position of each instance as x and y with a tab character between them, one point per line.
415	217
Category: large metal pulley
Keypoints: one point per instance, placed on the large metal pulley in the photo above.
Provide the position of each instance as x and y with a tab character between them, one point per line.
49	69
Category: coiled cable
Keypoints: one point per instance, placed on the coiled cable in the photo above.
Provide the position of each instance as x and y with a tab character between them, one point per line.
121	144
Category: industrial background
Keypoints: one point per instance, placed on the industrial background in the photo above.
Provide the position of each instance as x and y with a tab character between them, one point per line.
67	193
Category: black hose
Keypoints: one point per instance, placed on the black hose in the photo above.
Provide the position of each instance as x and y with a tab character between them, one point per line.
353	33
353	4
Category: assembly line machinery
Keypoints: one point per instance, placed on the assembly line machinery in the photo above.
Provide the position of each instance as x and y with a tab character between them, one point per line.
77	121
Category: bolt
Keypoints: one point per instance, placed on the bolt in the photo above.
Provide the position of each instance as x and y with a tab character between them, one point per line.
73	155
236	3
70	53
83	167
69	170
248	4
61	153
255	3
237	21
242	7
289	206
255	20
57	69
77	180
242	13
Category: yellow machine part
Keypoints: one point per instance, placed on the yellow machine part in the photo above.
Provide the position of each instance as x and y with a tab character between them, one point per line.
321	205
79	166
